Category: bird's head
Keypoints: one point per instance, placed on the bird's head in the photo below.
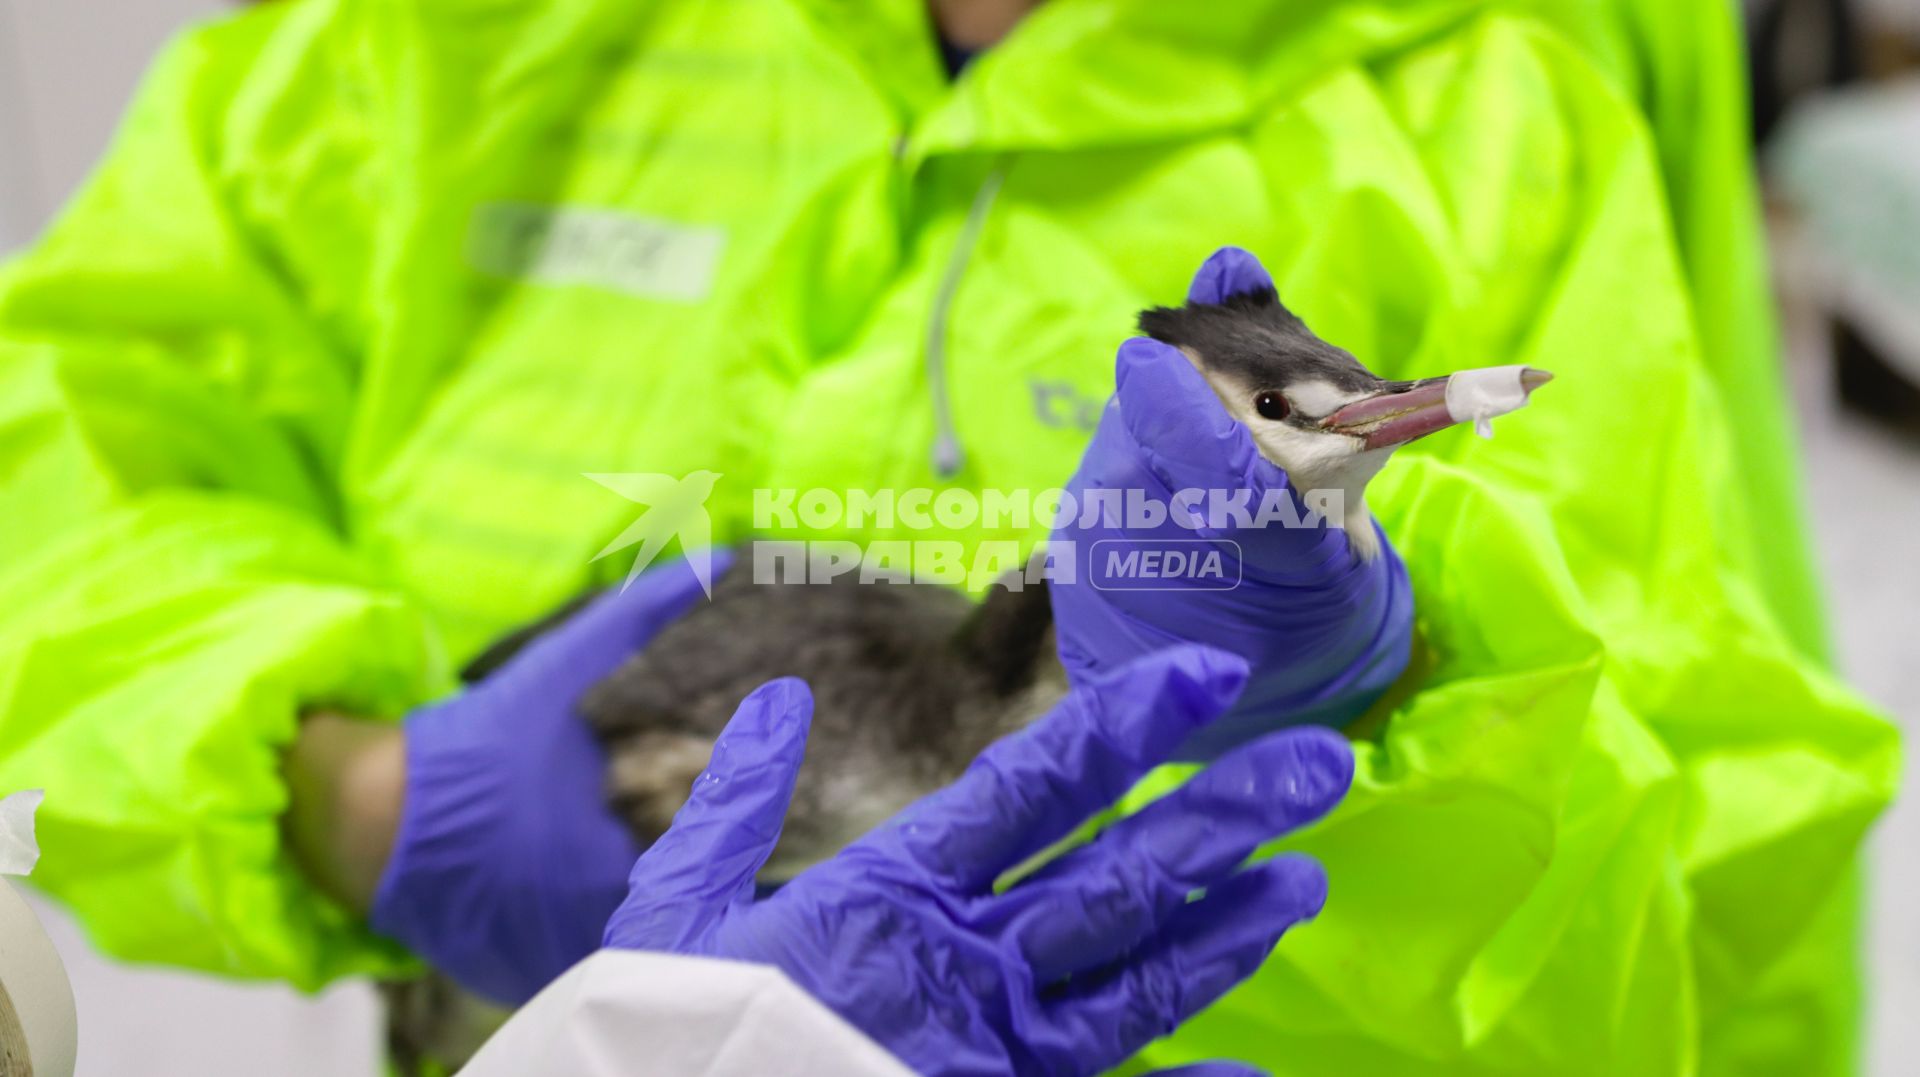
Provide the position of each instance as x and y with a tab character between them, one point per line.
1310	407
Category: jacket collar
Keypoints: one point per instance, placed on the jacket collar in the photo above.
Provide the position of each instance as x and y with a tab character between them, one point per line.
1083	73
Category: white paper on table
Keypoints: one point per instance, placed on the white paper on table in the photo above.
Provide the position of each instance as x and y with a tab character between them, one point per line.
621	1013
19	852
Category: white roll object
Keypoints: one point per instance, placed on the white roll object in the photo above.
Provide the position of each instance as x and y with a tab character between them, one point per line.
39	1035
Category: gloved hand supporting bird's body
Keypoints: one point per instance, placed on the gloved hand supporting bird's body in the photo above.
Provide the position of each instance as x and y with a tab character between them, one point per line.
1068	971
508	859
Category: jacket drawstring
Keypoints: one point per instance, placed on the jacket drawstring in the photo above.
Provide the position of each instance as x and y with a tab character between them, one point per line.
948	455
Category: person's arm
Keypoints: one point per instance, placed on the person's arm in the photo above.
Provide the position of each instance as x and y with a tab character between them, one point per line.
346	782
175	584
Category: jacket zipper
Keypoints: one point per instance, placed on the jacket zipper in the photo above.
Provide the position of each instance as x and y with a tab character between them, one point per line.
949	456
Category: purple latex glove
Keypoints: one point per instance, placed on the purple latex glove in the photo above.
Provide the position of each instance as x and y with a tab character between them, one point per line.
1069	971
508	861
1324	632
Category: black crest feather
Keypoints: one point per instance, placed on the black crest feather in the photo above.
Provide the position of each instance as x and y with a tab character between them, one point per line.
1256	339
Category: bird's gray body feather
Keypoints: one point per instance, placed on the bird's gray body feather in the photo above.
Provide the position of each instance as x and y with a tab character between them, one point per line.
909	682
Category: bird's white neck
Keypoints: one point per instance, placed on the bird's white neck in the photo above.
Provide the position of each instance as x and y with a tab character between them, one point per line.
1361	536
1347	478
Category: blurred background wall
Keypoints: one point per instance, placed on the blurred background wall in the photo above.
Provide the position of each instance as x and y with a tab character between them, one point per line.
1837	114
67	68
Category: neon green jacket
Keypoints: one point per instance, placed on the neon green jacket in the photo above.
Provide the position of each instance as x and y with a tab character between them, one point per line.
297	396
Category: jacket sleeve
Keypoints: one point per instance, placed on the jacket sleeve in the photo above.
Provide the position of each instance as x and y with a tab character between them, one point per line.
175	580
1599	825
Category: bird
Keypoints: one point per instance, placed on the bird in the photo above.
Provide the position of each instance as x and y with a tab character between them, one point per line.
910	681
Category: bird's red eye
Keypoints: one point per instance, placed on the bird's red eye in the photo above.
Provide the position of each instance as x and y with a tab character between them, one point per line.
1272	405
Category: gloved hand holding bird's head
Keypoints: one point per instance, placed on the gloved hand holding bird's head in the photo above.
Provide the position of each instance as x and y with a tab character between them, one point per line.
1311	408
1233	397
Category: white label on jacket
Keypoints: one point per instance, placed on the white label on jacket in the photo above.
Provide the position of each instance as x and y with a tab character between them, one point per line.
605	248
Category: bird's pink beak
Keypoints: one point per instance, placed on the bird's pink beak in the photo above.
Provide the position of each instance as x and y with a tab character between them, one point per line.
1413	410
